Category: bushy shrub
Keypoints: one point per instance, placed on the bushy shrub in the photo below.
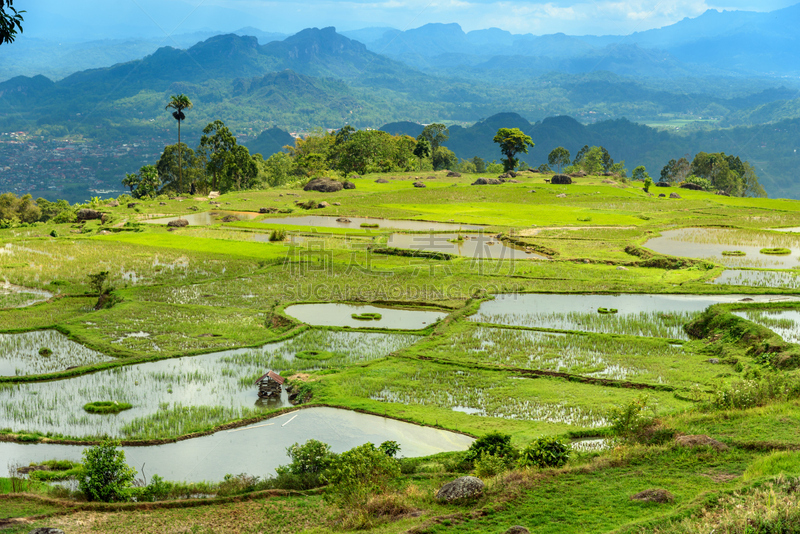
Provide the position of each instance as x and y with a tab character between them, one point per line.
635	421
106	476
754	392
488	465
356	475
157	490
545	452
309	461
493	444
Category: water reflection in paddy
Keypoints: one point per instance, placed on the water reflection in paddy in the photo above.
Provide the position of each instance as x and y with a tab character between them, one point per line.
476	246
20	353
645	314
709	243
742	277
206	218
258	449
785	323
170	395
323	221
12	296
331	314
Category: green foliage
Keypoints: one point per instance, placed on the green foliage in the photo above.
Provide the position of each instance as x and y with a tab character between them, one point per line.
277	235
278	169
675	171
106	476
143	184
157	490
546	451
22	209
44	351
390	448
749	393
488	465
179	166
366	316
435	134
633	421
444	158
367	151
559	157
493	444
697	180
229	164
10	22
640	174
103	407
360	473
312	457
97	282
512	141
648	183
727	173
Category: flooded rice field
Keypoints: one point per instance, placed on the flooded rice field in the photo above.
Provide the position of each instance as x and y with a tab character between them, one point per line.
785	323
207	218
710	243
12	296
169	396
323	221
331	314
475	246
742	277
43	351
258	449
641	315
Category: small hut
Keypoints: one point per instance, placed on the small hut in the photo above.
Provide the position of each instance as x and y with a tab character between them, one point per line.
269	385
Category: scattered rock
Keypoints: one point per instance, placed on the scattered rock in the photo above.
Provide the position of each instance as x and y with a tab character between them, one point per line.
562	195
534	171
561	179
653	495
579	174
746	299
323	204
518	529
355	177
662	195
337	203
323	185
693	187
723	193
178	223
381	181
268	210
532	191
46	530
230	218
193	208
86	214
487	181
662	184
586	261
512	181
609	182
700	440
419	184
162	203
621	268
213	194
453	174
503	177
713	360
343	220
348	185
460	488
113	204
674	195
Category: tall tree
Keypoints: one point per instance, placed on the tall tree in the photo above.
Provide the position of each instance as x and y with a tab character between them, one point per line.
179	103
10	21
512	141
216	144
172	167
422	150
436	134
559	157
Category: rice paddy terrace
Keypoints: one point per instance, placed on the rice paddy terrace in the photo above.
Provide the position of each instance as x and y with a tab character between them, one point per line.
450	311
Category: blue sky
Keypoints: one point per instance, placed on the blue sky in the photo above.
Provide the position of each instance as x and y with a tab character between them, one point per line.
81	19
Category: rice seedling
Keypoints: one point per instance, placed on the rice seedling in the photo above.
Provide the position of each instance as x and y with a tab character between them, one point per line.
776	251
785	323
366	316
42	351
752	278
105	407
733	253
607	310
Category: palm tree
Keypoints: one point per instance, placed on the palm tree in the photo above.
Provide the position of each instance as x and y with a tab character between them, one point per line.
179	103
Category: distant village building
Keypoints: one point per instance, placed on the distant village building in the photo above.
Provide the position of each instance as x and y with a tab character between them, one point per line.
269	385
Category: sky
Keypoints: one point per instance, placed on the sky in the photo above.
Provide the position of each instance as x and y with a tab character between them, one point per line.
89	19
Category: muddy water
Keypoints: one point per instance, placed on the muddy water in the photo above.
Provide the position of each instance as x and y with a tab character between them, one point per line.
355	223
683	243
257	449
475	246
19	353
331	314
206	218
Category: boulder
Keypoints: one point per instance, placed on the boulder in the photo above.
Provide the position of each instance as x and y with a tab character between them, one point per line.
337	203
213	194
534	171
348	185
343	220
532	191
579	174
662	195
713	360
381	181
323	204
562	195
86	214
505	176
113	204
46	530
723	193
700	440
193	208
561	179
323	185
268	210
518	529
178	223
162	203
355	177
693	187
453	174
662	184
230	218
487	181
653	495
460	488
621	268
419	184
512	181
674	195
